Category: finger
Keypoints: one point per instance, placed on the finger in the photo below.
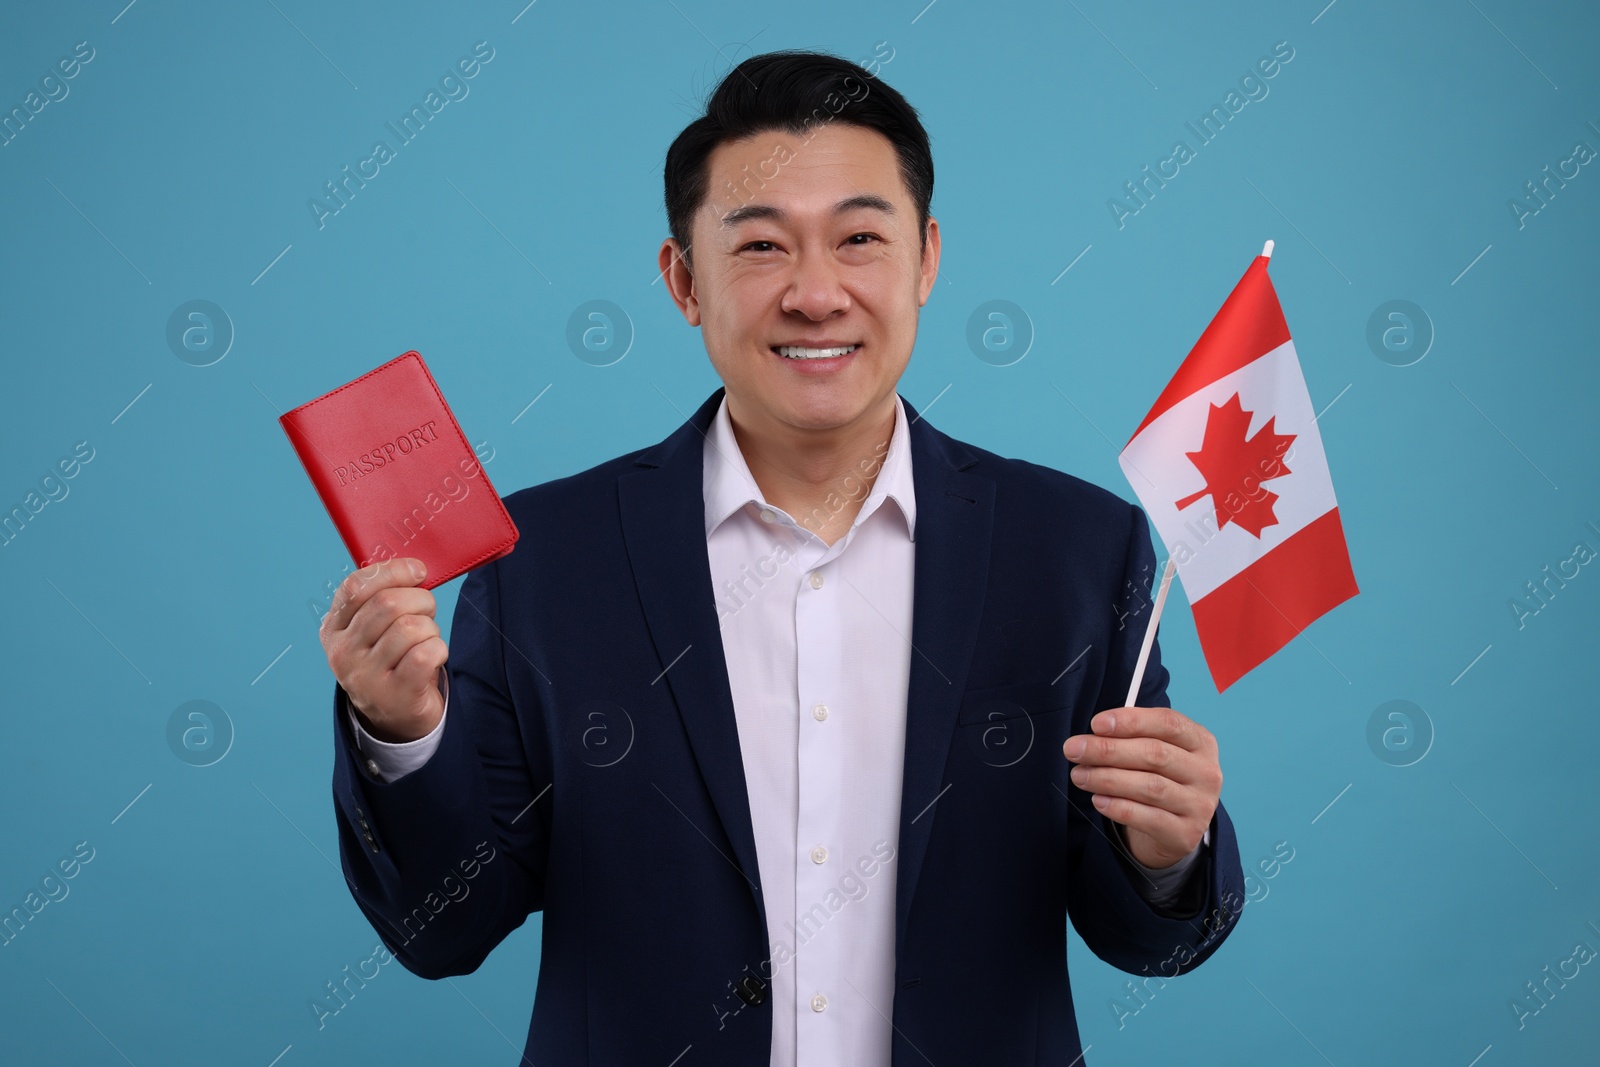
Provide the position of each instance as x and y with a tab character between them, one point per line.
360	586
379	613
1159	823
403	634
1155	790
420	665
1170	726
1138	754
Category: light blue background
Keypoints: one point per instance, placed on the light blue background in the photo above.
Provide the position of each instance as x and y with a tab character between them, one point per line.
188	554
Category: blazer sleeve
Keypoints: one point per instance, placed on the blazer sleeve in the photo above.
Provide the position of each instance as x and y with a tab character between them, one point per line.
1103	903
449	859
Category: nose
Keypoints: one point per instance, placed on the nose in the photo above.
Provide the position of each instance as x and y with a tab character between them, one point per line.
816	288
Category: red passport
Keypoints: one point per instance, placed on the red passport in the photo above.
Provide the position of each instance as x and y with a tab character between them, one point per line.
396	473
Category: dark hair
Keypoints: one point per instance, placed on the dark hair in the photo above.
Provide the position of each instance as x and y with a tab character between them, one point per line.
793	91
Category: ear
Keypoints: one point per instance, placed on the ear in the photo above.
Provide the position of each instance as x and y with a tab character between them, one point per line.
930	263
680	280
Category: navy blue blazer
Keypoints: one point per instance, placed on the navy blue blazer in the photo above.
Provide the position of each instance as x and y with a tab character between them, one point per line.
589	767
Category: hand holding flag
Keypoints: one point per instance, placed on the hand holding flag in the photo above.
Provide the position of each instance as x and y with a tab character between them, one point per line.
1155	771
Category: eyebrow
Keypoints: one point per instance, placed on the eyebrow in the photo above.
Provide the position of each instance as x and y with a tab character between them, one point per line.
748	212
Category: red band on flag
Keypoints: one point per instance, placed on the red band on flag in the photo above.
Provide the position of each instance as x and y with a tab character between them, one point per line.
1248	326
1265	606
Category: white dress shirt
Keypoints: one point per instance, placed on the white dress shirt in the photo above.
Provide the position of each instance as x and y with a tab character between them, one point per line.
816	638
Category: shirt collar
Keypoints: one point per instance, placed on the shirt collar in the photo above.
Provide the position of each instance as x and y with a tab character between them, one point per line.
728	484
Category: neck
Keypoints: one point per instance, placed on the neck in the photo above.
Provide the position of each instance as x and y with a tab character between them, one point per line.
821	477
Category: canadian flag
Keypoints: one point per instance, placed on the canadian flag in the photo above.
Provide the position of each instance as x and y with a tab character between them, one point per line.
1229	466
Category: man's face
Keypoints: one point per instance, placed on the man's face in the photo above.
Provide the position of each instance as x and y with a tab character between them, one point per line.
818	249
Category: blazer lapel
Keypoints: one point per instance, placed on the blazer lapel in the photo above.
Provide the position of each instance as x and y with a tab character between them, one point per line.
955	520
663	524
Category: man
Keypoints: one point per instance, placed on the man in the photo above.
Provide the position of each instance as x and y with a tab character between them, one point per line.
803	726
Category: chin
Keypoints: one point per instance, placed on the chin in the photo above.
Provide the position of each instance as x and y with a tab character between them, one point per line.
823	408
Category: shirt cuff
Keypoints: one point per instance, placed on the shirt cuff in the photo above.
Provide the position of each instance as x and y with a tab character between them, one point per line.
387	761
1161	886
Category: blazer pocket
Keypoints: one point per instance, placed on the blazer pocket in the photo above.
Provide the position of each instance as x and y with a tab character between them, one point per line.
998	703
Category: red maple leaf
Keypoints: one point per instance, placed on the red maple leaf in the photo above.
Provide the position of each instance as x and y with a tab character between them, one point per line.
1234	466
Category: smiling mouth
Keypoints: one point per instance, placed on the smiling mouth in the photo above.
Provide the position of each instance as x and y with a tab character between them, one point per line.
797	352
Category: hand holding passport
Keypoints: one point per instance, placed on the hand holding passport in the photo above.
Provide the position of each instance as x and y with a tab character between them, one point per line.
386	650
401	484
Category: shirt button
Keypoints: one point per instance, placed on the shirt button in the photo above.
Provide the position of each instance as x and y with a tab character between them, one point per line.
816	580
819	712
767	515
819	1002
819	855
372	768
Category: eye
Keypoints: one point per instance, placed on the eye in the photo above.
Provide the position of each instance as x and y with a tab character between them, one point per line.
752	244
873	236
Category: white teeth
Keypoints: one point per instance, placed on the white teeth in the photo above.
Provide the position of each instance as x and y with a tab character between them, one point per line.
795	352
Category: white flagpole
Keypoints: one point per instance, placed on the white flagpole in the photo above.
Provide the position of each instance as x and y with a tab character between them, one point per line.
1150	631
